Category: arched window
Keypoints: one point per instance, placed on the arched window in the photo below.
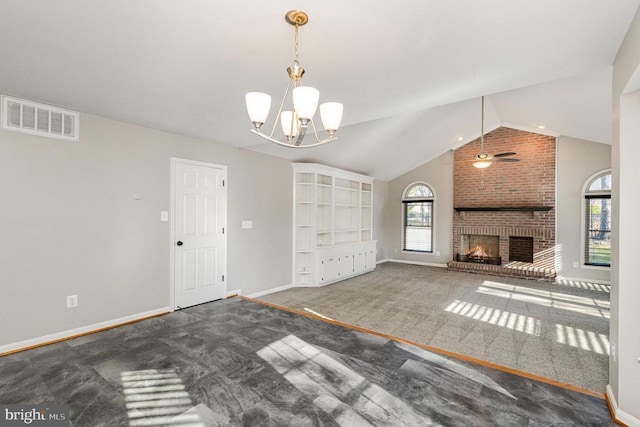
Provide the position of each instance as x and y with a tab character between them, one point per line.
597	224
417	206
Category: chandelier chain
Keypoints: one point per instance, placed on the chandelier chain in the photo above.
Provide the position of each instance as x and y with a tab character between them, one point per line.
296	44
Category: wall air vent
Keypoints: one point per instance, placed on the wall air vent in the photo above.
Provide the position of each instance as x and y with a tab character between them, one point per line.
20	115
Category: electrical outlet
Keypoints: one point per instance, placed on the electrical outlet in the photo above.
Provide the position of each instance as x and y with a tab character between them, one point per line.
72	301
438	253
576	264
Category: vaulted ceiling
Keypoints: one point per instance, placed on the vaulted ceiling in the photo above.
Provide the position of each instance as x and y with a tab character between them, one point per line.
409	73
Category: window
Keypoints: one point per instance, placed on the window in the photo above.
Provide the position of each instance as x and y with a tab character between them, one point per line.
597	225
417	206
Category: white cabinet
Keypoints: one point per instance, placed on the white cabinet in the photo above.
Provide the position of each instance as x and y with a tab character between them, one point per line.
359	260
333	217
346	265
370	258
329	269
343	261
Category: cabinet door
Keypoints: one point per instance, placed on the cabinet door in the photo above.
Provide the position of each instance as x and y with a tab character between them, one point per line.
370	259
346	265
359	261
329	269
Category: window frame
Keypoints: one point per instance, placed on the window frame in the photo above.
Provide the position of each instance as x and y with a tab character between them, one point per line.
584	232
406	200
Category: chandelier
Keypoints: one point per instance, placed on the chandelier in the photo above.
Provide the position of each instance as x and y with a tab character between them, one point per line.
296	120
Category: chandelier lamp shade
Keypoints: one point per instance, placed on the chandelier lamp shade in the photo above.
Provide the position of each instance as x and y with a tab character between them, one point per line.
295	114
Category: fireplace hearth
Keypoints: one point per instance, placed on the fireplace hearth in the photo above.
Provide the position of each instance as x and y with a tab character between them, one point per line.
504	251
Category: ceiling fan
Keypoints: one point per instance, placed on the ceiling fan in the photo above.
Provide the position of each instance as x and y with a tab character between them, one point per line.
484	160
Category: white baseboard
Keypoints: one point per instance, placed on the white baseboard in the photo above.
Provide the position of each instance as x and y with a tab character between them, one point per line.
383	260
618	413
428	264
577	279
270	291
80	331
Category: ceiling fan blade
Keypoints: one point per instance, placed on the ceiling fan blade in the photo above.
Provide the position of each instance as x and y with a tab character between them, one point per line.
507	160
508	153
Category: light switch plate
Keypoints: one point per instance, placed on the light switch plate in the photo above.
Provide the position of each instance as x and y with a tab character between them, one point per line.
164	216
247	224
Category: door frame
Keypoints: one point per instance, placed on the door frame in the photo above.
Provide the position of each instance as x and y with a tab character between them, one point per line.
172	211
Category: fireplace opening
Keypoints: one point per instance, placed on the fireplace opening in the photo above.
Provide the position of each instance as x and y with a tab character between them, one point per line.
480	249
521	249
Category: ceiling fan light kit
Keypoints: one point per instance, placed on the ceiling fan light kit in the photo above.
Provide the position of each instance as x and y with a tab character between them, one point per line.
484	160
296	121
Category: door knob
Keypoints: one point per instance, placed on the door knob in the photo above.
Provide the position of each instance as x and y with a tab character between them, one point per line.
179	243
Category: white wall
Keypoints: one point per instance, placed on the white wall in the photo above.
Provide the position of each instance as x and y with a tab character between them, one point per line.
624	363
380	196
576	161
438	173
69	224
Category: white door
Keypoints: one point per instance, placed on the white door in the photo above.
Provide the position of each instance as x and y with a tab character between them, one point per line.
200	199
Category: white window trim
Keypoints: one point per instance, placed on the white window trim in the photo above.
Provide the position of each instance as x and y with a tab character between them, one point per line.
583	215
434	250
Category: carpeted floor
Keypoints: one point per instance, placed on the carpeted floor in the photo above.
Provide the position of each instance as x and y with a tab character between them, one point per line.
556	330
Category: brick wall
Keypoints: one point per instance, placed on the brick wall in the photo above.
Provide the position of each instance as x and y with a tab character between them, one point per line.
530	182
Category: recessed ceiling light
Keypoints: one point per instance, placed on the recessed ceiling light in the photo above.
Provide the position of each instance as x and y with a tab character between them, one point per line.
460	138
541	126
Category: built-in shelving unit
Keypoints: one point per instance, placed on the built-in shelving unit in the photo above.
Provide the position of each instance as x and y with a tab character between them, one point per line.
333	219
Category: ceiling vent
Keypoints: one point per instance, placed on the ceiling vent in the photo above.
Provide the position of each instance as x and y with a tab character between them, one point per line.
20	115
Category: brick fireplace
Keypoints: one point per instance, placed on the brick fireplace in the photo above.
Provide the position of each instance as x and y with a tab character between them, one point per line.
505	212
